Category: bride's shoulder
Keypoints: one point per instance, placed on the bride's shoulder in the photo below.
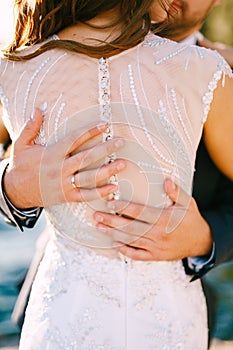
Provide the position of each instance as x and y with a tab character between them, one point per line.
165	51
3	63
27	49
184	57
209	59
12	67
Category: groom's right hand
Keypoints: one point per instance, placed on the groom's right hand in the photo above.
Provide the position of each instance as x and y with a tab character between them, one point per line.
39	176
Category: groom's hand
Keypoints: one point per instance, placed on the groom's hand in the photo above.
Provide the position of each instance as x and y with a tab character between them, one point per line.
39	176
141	232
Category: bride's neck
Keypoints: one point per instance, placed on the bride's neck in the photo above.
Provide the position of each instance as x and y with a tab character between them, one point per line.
101	27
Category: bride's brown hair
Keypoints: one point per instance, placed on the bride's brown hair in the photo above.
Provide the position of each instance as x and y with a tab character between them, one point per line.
37	20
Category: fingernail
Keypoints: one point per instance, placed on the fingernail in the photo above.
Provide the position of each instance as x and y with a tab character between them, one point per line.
173	185
120	166
99	218
101	228
36	113
32	117
119	143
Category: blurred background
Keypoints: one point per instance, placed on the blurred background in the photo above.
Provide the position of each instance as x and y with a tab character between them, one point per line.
219	25
16	248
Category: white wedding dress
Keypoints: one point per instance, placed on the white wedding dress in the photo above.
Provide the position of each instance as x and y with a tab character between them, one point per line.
86	296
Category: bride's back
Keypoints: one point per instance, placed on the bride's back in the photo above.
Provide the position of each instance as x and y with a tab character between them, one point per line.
156	95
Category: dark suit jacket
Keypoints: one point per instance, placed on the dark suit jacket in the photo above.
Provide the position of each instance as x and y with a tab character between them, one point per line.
214	195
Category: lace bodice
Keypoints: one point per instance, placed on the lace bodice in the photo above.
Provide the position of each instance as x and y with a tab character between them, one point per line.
154	105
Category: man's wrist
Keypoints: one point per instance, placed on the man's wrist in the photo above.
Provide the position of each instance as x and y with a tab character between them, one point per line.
23	217
199	266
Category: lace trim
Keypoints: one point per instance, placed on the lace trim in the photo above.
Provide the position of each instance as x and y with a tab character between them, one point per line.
152	40
28	89
223	70
140	291
5	104
142	120
3	97
106	113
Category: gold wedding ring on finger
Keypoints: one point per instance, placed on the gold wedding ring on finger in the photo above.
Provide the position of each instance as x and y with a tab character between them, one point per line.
73	182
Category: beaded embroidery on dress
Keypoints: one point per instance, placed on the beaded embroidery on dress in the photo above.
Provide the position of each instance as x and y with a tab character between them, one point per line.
86	296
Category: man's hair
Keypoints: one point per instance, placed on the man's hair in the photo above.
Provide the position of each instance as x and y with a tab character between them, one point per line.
184	23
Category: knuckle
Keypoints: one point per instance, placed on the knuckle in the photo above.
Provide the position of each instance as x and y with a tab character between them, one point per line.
89	156
139	211
27	127
160	234
102	173
159	255
82	159
100	192
110	169
91	179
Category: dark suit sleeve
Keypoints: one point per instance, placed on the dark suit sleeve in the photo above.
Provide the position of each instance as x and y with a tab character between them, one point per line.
13	216
220	219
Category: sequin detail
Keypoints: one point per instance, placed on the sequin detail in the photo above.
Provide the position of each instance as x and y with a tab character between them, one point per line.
98	290
106	114
223	70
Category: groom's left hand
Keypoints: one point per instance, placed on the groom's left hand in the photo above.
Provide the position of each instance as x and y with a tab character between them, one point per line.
141	232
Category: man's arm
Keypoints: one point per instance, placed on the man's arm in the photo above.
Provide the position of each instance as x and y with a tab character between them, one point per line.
220	219
5	141
202	239
147	233
204	235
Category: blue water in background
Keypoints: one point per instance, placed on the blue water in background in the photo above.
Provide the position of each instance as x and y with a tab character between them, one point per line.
16	252
221	280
